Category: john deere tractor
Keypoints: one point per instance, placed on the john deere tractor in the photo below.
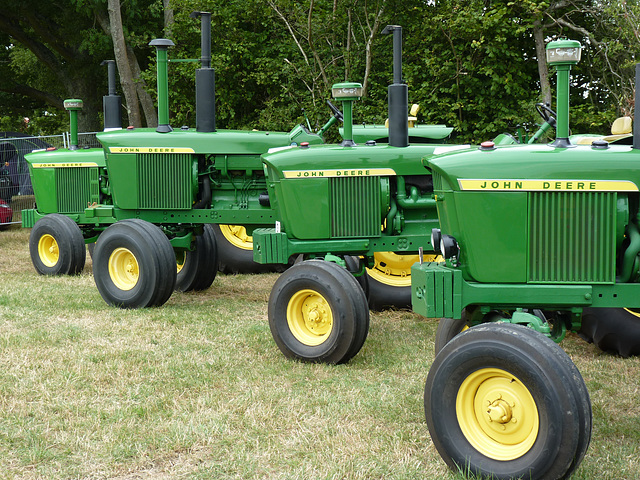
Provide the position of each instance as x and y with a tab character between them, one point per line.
537	241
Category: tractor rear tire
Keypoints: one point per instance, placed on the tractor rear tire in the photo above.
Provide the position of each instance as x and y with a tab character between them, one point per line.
197	268
134	265
389	280
56	246
235	251
613	330
318	313
504	401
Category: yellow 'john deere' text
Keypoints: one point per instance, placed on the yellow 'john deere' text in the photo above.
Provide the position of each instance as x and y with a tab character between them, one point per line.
150	150
64	165
352	172
547	185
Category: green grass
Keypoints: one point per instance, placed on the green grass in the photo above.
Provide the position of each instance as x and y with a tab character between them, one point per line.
197	389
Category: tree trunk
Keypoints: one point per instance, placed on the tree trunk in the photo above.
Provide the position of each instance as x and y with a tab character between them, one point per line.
168	19
543	70
150	112
124	70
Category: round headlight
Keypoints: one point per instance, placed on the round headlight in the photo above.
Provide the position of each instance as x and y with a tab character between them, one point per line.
449	246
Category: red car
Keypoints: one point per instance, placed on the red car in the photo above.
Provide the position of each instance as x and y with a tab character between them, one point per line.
6	213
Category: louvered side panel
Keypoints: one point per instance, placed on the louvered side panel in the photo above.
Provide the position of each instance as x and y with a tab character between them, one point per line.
572	237
78	187
355	207
164	181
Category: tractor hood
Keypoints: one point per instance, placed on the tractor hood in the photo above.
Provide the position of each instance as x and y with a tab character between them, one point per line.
146	140
537	168
360	160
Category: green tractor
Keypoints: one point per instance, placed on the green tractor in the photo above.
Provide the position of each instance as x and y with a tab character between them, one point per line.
195	185
537	240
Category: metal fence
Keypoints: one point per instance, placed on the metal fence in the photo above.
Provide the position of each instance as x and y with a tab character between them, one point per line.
16	192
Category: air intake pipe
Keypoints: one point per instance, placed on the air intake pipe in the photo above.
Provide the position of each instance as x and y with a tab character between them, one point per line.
205	80
162	46
636	116
398	93
111	104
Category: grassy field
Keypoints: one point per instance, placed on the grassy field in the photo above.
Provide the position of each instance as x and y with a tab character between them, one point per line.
198	390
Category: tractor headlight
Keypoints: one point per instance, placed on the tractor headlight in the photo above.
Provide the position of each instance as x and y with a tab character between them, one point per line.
435	239
449	247
563	52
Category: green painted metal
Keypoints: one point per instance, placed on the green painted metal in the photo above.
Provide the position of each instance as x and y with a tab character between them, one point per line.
417	133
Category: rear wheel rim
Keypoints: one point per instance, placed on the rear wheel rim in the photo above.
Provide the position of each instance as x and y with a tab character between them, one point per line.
309	317
48	250
237	236
181	258
395	270
123	268
497	414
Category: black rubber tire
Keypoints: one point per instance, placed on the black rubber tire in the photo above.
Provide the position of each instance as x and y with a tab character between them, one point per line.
155	259
353	266
547	373
200	264
448	328
341	295
234	260
383	296
71	253
612	330
357	293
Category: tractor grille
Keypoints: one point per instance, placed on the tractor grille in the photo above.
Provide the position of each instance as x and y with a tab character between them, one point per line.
437	181
572	237
164	181
77	188
355	207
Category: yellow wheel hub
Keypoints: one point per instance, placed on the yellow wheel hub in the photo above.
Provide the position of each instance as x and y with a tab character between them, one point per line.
497	414
123	269
309	317
395	270
48	250
237	236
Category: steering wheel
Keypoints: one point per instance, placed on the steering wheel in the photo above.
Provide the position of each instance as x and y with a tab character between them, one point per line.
544	110
336	111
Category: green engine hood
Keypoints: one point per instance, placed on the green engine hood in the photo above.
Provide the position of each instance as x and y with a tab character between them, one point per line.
145	140
538	168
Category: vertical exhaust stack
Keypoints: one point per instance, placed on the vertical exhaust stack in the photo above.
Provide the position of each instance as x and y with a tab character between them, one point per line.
398	93
205	80
162	45
636	114
111	103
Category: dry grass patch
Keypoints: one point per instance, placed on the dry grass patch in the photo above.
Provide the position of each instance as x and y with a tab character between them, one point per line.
197	389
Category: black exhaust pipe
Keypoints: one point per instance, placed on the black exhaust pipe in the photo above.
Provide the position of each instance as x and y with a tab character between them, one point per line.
398	93
205	79
636	114
111	103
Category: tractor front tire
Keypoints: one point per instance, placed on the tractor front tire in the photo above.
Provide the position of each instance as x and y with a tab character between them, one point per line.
197	268
318	313
56	246
504	401
134	265
448	328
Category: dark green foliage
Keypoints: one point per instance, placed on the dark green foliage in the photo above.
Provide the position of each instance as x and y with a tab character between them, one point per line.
469	64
